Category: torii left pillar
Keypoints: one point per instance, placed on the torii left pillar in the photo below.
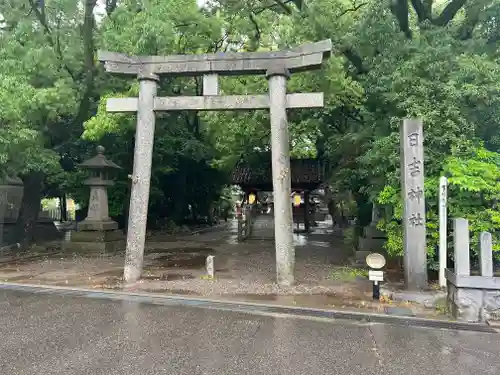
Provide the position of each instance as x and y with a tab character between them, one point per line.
141	177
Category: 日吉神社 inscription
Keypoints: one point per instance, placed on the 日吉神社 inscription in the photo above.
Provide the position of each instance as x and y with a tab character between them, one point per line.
412	183
277	66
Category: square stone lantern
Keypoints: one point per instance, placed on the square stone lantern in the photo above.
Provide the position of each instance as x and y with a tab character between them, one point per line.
11	195
373	239
98	232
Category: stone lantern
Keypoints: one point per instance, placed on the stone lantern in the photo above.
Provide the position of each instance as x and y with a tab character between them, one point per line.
98	232
11	195
373	239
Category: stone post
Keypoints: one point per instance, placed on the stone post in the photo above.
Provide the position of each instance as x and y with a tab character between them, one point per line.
461	246
141	178
412	189
280	150
486	254
3	208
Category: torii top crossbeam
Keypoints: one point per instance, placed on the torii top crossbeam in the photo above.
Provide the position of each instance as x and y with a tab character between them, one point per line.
305	57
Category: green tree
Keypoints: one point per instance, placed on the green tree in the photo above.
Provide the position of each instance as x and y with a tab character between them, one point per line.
183	175
435	60
48	71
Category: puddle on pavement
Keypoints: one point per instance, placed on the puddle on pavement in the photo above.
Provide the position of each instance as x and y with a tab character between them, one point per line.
9	270
182	250
232	240
16	278
184	260
168	277
117	275
109	274
172	291
35	258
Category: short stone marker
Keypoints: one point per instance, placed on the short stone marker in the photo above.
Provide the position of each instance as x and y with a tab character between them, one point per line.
486	254
210	266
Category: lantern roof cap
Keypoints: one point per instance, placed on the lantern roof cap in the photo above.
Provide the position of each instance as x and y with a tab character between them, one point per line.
99	161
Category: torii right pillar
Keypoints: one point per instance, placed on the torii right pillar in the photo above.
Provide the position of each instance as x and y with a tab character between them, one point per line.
280	161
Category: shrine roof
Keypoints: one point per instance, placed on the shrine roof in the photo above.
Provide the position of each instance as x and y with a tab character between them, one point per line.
305	173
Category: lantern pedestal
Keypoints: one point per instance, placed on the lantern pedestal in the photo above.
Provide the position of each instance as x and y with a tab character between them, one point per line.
98	233
101	242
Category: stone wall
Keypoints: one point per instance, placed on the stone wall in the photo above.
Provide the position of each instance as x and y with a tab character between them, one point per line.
472	298
11	195
473	305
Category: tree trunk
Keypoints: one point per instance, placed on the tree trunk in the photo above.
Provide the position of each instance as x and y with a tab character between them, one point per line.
30	207
64	208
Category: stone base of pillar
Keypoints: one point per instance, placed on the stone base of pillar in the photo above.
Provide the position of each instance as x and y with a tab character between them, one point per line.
91	225
96	242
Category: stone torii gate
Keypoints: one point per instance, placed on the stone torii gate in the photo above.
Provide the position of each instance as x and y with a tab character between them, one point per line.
277	67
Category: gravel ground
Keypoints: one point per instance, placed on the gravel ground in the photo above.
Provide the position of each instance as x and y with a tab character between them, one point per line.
243	271
247	268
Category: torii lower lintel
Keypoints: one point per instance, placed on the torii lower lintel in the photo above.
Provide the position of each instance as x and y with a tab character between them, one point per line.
210	103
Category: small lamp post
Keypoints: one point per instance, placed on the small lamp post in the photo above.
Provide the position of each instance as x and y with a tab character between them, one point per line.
98	212
376	261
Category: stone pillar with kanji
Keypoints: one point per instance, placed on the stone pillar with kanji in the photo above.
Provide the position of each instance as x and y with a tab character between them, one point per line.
98	233
413	196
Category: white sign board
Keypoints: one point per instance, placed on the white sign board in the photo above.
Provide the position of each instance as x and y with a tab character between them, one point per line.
374	275
443	246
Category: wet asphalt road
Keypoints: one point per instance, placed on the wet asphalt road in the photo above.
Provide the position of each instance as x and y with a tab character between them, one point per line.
53	334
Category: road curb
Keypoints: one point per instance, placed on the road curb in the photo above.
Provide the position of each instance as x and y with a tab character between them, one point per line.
249	307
